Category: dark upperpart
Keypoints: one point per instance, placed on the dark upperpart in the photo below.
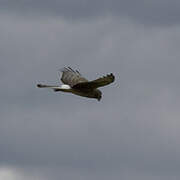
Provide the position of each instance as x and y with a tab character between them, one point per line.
97	94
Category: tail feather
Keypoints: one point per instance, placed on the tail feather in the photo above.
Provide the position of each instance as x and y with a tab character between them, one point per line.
43	86
63	88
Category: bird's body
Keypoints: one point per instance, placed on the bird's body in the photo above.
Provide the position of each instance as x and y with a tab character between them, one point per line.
76	84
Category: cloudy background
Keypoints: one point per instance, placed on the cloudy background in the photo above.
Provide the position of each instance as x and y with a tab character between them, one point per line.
133	132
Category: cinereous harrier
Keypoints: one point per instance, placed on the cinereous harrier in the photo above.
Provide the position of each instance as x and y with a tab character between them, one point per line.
75	83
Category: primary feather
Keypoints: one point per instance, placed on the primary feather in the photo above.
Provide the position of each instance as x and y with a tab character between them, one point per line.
103	81
71	77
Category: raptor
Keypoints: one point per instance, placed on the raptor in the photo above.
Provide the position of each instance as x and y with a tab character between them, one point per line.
75	83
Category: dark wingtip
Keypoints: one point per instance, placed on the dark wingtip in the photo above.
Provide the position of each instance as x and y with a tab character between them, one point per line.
68	68
71	69
39	85
112	76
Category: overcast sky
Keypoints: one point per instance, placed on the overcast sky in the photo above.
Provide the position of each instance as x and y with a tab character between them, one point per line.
133	132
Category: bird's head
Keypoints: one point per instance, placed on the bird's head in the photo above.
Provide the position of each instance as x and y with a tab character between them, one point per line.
97	94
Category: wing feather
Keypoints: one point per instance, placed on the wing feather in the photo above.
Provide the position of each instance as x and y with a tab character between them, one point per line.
71	77
103	81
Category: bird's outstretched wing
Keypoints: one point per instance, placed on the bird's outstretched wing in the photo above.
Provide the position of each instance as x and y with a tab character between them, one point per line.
103	81
71	77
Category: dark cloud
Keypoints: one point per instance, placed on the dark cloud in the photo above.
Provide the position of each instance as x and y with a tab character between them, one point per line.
157	12
133	133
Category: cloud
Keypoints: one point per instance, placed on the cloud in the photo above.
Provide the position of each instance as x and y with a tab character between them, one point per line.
154	12
6	173
133	133
56	173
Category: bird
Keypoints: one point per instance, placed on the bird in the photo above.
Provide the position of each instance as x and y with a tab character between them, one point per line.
75	83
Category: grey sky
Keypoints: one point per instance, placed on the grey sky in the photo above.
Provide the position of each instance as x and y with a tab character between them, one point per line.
159	12
133	133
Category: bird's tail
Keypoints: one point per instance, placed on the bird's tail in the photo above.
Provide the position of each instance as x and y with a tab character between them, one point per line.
63	88
44	86
55	88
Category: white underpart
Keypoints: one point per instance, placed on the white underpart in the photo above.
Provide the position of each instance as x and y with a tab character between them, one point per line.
65	86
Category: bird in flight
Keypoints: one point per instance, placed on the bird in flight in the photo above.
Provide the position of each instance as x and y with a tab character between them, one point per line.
76	84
